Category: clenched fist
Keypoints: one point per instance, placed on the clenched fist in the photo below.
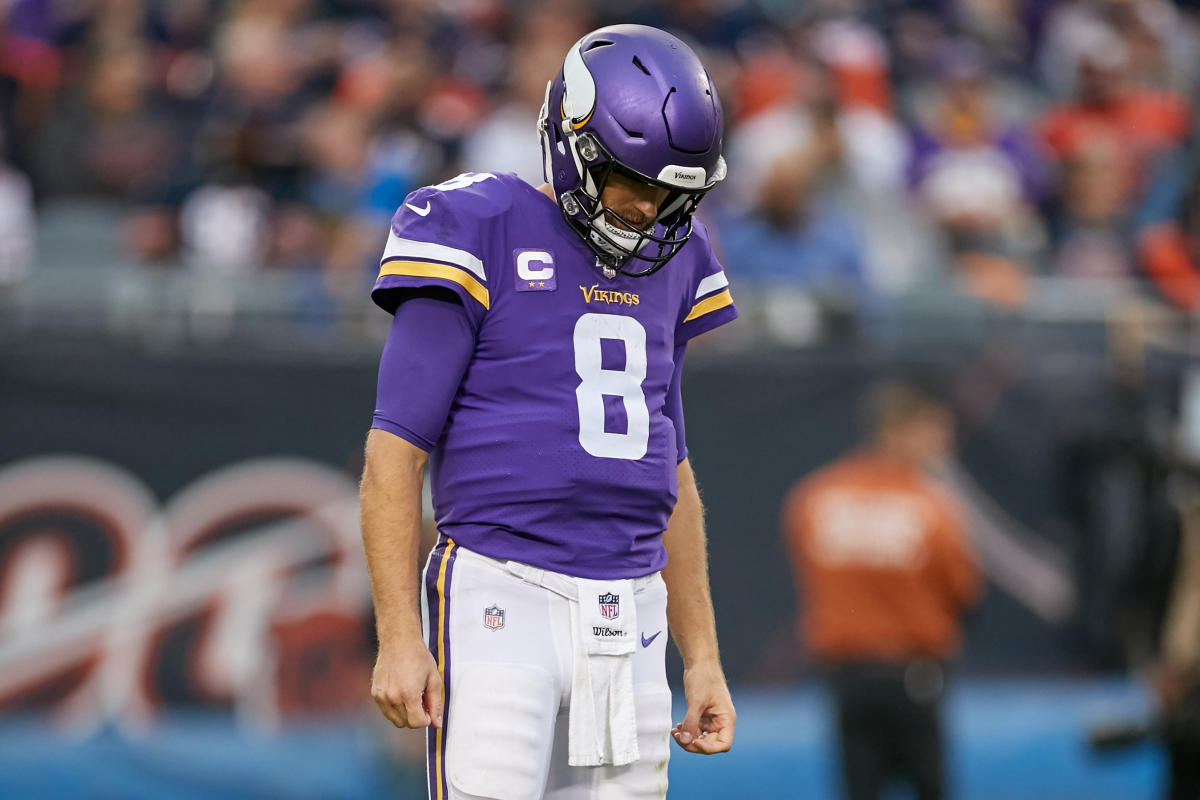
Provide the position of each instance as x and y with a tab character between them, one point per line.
407	686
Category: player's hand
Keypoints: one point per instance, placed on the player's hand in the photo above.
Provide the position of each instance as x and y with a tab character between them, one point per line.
406	685
708	726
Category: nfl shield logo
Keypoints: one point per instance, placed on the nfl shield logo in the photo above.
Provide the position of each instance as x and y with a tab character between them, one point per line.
493	618
610	605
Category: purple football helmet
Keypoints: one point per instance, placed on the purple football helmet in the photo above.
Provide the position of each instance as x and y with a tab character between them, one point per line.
635	100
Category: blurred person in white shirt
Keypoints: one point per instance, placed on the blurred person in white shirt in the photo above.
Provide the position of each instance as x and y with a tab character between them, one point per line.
224	228
17	225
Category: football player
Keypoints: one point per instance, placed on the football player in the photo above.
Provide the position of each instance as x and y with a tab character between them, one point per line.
535	358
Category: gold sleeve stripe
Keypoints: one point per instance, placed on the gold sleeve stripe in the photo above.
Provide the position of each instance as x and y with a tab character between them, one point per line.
425	269
710	304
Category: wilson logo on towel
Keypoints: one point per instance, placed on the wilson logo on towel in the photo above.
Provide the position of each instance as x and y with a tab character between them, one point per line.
605	632
610	605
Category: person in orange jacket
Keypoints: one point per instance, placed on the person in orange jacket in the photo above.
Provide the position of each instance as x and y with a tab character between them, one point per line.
885	571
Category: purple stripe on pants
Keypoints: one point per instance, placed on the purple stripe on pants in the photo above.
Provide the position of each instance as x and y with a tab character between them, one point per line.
434	604
446	664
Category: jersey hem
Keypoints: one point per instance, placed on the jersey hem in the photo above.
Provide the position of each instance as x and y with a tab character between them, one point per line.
657	565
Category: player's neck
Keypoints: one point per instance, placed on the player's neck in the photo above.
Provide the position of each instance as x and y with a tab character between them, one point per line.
546	190
896	456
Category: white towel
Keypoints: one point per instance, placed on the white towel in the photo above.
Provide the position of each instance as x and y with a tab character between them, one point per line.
603	719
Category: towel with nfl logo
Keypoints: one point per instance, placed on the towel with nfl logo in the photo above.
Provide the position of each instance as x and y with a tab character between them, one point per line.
603	717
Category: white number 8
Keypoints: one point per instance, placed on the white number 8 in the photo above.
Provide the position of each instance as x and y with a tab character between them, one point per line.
462	181
596	382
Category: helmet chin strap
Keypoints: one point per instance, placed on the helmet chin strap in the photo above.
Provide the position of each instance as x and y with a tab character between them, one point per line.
621	242
615	241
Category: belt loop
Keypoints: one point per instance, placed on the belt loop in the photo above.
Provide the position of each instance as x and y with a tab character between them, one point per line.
646	581
525	572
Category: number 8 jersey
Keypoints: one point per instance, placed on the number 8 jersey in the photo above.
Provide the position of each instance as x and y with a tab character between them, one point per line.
557	451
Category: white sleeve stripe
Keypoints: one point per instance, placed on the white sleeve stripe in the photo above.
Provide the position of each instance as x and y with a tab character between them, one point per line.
711	284
398	247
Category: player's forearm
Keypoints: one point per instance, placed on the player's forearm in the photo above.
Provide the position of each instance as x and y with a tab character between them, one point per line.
390	501
689	602
1181	650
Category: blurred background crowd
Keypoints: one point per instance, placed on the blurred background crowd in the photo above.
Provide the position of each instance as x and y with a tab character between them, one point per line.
875	148
1001	195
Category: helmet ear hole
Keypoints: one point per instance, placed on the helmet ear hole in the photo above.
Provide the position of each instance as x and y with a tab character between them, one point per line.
560	143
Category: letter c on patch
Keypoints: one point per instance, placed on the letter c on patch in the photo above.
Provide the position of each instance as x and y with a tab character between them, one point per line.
526	259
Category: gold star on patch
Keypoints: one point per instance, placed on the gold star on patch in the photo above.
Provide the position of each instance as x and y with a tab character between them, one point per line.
531	284
541	284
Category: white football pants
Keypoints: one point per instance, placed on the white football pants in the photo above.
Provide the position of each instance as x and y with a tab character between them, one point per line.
503	645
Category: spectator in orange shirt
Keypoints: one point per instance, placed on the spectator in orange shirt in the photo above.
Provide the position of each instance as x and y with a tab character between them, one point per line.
1109	111
885	573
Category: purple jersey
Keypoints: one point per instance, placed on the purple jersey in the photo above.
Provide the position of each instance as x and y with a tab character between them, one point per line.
556	451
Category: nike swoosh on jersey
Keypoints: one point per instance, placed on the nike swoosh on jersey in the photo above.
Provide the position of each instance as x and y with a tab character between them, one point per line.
646	642
422	211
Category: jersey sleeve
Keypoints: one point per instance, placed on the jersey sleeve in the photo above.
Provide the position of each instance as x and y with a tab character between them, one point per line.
437	239
709	303
429	346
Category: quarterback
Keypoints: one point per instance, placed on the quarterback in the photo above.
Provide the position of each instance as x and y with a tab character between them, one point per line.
534	359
